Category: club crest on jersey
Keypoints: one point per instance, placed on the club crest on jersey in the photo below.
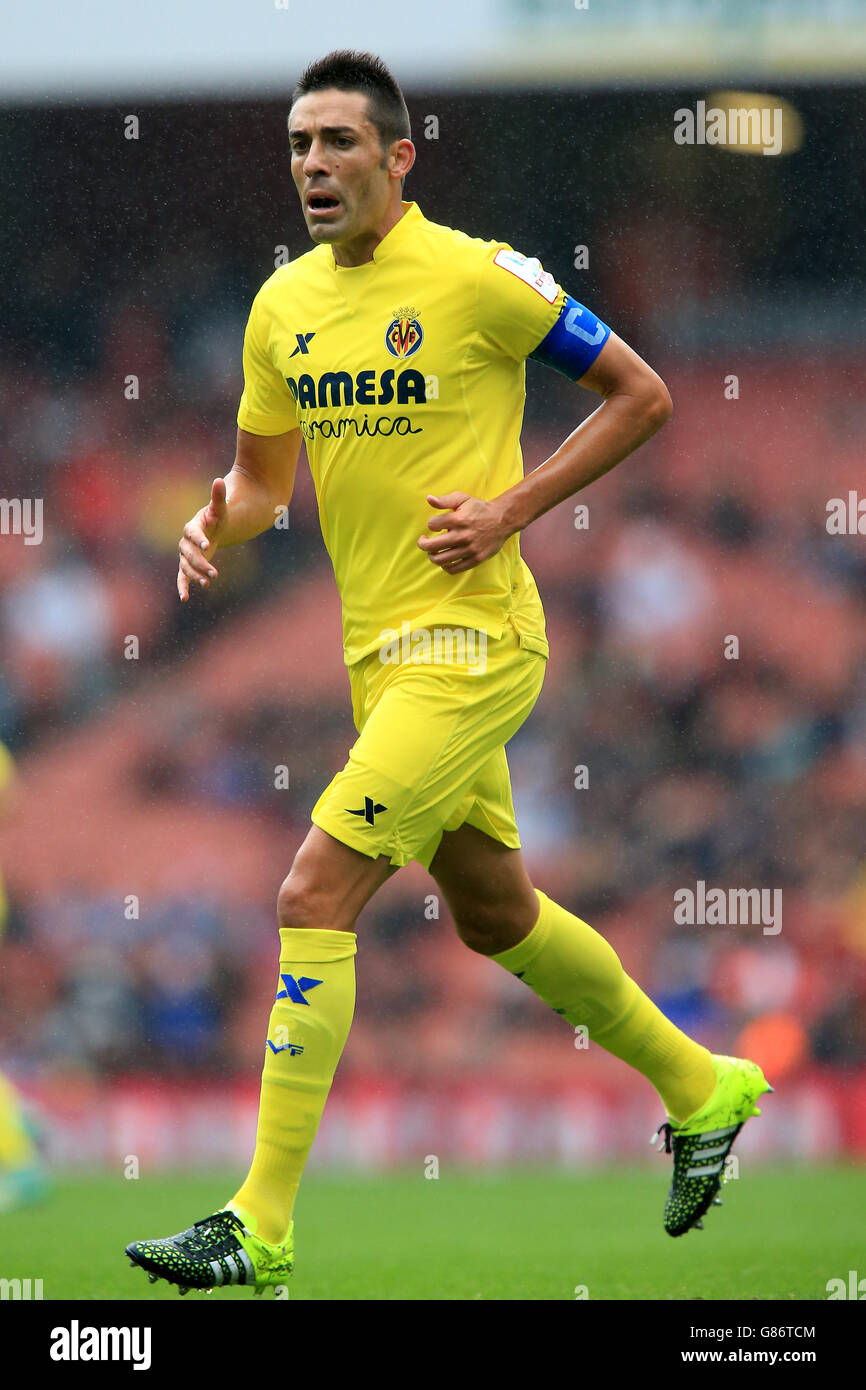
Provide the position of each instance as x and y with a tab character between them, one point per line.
404	334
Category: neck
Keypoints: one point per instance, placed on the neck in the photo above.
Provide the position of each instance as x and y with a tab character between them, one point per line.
358	250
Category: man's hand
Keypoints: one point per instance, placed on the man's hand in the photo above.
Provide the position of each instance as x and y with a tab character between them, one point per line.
199	541
472	531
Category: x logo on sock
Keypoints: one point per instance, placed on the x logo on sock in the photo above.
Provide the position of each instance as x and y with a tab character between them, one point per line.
294	989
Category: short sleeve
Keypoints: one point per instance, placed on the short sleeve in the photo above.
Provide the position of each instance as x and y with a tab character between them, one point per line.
267	405
518	301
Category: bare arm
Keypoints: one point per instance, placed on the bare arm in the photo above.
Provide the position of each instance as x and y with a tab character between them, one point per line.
636	403
242	505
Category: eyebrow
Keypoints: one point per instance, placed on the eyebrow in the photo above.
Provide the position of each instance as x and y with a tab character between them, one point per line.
326	130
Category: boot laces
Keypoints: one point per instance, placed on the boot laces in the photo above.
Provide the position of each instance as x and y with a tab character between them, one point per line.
666	1144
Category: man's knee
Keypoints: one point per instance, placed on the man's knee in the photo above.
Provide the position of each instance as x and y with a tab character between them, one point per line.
491	927
304	900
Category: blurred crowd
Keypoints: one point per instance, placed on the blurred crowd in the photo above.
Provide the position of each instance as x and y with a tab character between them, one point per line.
652	761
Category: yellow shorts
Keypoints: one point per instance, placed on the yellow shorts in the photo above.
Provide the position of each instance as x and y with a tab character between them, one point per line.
430	755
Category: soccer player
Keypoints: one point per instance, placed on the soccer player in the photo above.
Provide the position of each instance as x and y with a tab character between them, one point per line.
395	351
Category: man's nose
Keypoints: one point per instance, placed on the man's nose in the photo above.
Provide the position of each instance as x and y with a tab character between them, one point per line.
315	161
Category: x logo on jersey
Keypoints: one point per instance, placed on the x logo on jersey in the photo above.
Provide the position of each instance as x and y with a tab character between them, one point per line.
294	989
369	810
304	339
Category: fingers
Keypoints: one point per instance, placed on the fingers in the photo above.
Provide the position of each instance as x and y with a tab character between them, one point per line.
450	545
448	499
194	567
453	551
446	552
457	566
434	544
218	505
216	509
447	558
440	522
195	529
464	537
186	577
200	565
191	574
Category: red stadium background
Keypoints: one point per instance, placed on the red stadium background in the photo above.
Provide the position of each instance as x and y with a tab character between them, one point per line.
147	839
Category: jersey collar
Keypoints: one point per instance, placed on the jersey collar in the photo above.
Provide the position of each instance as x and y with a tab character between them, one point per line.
391	241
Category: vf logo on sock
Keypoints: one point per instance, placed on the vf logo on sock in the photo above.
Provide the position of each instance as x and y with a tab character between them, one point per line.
292	1048
295	989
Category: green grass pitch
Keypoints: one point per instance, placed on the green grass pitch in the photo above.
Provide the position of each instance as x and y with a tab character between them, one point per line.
528	1234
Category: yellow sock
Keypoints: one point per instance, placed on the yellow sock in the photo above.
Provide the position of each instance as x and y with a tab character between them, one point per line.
309	1024
17	1149
579	975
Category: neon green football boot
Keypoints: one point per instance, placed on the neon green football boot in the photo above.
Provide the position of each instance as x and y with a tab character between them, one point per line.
701	1144
216	1251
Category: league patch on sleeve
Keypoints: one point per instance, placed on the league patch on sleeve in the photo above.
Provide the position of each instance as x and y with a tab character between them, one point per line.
530	271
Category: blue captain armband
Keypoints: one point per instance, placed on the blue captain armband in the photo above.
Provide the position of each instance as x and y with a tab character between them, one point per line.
574	341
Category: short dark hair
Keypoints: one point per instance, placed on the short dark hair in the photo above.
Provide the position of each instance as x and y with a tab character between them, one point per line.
350	71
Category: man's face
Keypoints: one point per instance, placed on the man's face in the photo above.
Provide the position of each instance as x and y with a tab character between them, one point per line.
338	166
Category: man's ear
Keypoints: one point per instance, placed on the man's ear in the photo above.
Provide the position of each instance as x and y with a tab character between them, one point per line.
402	157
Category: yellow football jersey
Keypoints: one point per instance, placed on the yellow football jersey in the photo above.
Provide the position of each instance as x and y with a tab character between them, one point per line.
406	377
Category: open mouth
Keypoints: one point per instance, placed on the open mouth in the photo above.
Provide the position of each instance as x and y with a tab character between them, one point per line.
322	202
